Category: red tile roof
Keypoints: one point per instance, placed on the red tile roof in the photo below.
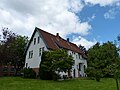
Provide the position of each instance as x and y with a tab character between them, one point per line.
56	42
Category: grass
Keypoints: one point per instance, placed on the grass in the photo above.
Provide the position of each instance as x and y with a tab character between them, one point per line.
17	83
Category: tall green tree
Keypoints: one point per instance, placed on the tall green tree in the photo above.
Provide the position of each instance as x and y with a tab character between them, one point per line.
12	47
102	60
54	62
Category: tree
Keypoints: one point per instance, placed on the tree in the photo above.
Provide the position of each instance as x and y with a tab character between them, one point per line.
83	49
17	51
54	62
117	69
102	60
12	47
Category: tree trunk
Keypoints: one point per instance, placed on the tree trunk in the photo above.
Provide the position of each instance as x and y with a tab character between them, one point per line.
117	86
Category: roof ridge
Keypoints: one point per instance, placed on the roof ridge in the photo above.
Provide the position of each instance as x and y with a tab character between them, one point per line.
46	32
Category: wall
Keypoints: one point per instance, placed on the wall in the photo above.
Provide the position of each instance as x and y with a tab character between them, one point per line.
36	59
78	60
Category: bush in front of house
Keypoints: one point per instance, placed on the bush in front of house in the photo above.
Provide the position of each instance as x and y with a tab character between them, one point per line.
53	62
55	76
29	73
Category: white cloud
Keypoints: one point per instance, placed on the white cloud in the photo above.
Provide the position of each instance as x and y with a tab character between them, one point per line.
110	14
86	43
76	5
114	4
49	15
91	18
102	2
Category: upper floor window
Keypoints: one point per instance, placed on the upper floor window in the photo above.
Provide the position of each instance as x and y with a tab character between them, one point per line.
38	39
79	56
34	41
30	54
72	52
39	51
43	49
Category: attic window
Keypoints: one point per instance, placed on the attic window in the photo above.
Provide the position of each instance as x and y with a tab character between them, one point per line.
34	41
38	39
43	49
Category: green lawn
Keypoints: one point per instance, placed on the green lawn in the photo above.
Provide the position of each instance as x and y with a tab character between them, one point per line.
17	83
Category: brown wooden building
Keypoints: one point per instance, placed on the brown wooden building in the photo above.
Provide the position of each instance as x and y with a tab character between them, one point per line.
7	70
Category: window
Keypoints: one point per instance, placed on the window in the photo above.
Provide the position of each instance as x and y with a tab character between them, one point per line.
38	39
79	56
42	49
30	54
26	65
39	51
84	67
76	56
73	61
80	64
72	52
34	41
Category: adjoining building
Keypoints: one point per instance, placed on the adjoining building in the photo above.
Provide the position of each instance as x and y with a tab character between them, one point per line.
44	41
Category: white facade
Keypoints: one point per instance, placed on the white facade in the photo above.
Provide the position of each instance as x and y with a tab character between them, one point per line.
79	65
33	56
34	62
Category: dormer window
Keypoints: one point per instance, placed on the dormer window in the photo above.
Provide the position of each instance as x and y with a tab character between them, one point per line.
34	41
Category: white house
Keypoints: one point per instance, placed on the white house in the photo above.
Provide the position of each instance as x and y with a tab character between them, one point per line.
44	41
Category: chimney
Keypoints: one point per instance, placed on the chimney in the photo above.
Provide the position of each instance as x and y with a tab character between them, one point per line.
68	39
57	34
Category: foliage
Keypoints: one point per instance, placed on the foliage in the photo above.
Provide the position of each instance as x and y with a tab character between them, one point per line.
29	73
102	60
44	71
54	62
83	49
12	47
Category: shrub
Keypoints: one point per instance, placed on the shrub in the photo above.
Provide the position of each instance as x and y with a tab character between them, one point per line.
29	73
94	73
65	77
55	76
44	75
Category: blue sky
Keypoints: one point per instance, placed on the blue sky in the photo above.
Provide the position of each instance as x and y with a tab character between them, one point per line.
85	22
102	29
